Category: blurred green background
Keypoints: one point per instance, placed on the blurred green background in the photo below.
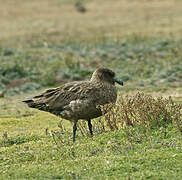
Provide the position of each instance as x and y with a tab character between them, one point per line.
47	43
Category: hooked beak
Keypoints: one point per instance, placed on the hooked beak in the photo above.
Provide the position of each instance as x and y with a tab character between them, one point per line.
119	81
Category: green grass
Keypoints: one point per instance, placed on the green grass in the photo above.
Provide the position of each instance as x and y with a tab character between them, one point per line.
104	156
43	45
139	62
138	152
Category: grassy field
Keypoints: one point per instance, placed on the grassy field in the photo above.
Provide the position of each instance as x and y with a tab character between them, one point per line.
46	43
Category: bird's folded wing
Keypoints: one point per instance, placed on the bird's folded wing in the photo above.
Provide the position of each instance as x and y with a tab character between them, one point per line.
58	98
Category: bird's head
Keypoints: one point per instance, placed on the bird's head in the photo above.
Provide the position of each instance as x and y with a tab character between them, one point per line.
105	75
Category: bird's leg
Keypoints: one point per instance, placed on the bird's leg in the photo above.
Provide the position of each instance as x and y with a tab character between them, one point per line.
74	131
90	127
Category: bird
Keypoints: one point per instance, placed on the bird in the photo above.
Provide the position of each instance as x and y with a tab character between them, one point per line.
79	7
79	100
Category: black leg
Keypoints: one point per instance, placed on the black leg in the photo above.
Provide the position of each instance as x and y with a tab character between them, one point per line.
74	131
90	126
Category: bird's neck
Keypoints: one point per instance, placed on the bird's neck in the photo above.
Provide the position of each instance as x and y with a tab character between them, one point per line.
95	79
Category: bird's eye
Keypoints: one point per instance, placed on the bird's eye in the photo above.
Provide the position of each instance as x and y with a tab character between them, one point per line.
111	74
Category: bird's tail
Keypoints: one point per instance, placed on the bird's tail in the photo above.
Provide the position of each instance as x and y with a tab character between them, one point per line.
36	104
30	103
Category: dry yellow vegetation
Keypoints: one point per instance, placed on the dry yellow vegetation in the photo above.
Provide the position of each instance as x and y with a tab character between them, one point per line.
24	21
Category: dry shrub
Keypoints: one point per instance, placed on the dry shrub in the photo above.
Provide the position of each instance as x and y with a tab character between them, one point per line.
144	111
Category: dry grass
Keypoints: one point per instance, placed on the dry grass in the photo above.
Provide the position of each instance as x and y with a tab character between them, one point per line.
28	21
143	110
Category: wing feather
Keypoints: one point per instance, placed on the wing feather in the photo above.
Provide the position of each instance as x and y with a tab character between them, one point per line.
57	98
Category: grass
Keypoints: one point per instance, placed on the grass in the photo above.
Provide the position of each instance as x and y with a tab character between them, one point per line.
139	63
43	45
33	147
90	161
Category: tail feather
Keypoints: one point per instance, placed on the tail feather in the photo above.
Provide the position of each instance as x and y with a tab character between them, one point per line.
34	104
41	101
27	100
30	103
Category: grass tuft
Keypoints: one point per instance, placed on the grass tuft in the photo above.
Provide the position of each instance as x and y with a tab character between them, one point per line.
7	142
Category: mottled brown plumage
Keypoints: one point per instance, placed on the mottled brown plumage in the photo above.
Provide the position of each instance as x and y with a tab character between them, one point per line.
79	99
